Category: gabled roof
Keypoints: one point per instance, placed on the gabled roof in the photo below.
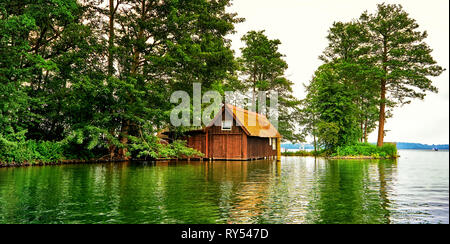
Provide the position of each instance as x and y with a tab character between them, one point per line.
252	123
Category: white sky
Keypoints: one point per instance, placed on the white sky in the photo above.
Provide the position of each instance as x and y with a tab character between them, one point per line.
302	27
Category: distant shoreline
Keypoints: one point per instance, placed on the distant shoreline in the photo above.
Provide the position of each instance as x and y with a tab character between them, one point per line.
400	146
421	149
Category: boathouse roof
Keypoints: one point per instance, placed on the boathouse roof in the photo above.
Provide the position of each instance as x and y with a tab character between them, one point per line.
254	124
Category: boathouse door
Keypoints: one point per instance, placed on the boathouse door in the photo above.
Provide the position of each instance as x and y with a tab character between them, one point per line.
225	146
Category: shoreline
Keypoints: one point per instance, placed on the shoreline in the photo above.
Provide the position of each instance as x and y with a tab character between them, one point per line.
62	162
345	157
79	162
99	161
363	157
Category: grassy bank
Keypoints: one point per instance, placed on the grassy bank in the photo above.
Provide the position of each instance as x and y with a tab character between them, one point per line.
302	153
366	150
357	151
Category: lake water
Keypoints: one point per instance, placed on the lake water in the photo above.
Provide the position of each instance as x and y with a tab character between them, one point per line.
414	189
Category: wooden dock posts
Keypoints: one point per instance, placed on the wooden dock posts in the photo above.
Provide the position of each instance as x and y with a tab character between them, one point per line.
278	149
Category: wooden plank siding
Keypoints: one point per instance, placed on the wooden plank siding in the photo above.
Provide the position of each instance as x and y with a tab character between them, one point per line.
259	147
226	144
231	145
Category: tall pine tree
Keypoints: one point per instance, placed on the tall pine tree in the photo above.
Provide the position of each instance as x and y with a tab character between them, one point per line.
400	51
263	69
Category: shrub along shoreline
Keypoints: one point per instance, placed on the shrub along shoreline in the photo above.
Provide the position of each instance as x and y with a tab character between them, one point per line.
357	151
17	151
39	153
55	163
82	162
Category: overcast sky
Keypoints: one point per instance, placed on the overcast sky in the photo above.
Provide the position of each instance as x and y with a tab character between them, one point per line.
302	27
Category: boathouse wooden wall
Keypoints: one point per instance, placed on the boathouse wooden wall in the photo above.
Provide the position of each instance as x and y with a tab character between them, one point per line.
230	145
235	144
227	144
197	141
259	147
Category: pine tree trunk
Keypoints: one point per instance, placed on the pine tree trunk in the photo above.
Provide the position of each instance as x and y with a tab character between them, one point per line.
112	151
254	93
112	12
382	115
383	97
362	132
124	140
315	146
127	124
366	139
111	38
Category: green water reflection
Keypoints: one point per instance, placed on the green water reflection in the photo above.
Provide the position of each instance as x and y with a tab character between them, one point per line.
297	190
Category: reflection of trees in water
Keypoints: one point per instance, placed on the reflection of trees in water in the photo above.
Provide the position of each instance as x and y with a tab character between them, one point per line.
352	192
244	187
62	194
387	171
196	192
265	191
299	190
180	192
290	192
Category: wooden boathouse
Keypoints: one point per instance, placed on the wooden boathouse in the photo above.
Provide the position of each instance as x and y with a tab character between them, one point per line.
249	136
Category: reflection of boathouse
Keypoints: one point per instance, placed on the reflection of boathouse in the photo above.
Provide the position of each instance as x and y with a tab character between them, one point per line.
248	136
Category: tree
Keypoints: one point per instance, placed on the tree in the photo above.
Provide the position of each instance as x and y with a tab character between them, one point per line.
384	61
14	46
96	74
158	47
399	50
334	115
349	43
309	117
51	43
262	69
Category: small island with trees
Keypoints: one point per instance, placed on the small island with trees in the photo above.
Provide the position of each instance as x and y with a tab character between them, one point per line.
371	65
87	80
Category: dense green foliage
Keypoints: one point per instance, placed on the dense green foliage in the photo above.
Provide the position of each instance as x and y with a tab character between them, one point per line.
16	149
349	51
357	150
94	76
152	148
377	62
337	122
